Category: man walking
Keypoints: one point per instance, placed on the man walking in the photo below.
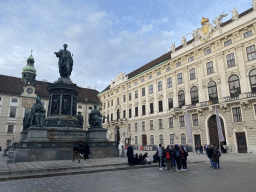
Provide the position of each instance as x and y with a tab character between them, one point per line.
76	151
210	151
130	155
160	152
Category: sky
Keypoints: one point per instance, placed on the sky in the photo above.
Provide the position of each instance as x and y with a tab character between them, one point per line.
106	37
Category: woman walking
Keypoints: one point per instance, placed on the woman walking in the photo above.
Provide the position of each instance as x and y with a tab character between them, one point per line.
86	151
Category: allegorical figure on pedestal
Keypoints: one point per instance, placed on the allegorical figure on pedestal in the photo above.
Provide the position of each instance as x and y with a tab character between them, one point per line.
80	119
65	62
95	118
37	113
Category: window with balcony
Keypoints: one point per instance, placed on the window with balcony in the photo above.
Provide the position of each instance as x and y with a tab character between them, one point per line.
160	123
151	124
183	138
251	54
143	92
169	82
10	128
181	98
237	114
252	76
160	106
209	67
152	140
171	138
182	122
194	95
150	88
180	80
159	85
151	107
195	119
192	74
13	112
212	91
248	34
234	86
170	103
170	122
230	60
161	139
143	109
143	125
228	42
136	94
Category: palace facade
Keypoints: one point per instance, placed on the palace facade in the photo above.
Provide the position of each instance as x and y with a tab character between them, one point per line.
214	70
18	95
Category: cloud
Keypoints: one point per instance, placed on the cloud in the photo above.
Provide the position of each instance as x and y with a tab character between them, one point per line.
146	28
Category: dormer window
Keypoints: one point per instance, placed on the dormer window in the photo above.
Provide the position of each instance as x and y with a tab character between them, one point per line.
191	58
159	73
178	64
208	51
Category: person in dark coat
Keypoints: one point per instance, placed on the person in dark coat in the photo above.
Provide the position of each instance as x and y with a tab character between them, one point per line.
210	151
86	151
76	151
177	157
172	154
184	155
130	155
216	158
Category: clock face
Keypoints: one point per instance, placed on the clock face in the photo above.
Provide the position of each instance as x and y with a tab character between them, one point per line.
29	90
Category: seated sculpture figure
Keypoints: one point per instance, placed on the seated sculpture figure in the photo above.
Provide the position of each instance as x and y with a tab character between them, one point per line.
95	118
37	113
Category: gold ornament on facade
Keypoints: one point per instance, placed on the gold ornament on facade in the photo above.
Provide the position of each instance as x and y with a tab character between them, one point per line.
27	103
206	32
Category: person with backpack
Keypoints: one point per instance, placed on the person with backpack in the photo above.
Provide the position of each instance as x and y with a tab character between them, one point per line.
177	156
76	152
184	155
160	153
216	158
168	158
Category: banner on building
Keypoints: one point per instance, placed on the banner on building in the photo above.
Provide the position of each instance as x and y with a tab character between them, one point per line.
220	133
189	127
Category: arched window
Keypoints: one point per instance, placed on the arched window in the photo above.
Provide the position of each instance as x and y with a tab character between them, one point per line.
212	90
253	80
194	95
181	97
234	86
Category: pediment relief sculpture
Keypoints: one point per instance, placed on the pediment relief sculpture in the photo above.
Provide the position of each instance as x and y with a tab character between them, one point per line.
120	78
170	95
159	97
151	99
136	104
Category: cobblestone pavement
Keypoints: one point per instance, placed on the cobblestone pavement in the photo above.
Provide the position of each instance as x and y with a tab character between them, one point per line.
233	176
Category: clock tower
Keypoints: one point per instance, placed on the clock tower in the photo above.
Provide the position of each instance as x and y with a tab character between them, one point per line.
29	72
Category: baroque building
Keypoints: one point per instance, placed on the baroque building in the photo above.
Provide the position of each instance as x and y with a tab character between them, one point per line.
214	70
18	95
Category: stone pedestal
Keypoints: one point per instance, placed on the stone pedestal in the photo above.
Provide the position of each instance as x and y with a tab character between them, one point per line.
37	134
97	134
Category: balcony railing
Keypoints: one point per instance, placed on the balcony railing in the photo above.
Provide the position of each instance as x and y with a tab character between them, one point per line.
250	94
227	99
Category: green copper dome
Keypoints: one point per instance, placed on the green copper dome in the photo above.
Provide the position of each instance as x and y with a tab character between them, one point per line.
30	57
29	68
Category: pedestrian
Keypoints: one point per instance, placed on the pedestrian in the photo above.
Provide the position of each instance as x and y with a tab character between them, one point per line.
81	148
86	151
76	151
160	152
184	155
197	151
130	155
177	156
168	158
210	151
172	154
216	158
201	149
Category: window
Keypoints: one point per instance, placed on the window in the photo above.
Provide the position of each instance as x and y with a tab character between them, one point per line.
124	113
124	98
159	85
111	93
209	67
230	60
251	54
136	94
130	96
117	90
142	80
13	112
228	42
212	90
180	78
151	139
143	110
129	86
10	129
170	122
168	69
194	95
123	88
151	124
14	100
169	82
192	74
183	138
181	98
150	77
136	139
234	86
129	127
8	142
151	108
237	114
248	34
170	103
80	107
111	117
161	139
143	92
208	51
182	122
159	73
130	113
252	76
108	118
117	101
136	111
191	58
160	106
195	119
178	64
136	126
108	103
136	83
111	103
171	138
104	105
160	122
143	125
150	88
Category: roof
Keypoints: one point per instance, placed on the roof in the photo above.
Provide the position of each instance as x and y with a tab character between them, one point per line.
14	86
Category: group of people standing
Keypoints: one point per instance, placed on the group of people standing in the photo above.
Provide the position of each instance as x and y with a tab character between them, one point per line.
213	154
81	149
136	159
172	156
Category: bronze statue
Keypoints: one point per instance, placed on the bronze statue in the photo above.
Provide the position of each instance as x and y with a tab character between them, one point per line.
26	120
95	118
37	113
65	62
80	119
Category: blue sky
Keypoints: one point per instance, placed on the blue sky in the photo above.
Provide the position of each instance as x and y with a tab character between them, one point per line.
105	37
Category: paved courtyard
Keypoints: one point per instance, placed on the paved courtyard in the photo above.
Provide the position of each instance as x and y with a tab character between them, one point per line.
237	173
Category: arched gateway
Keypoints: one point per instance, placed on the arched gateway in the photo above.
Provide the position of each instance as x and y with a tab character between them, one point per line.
213	131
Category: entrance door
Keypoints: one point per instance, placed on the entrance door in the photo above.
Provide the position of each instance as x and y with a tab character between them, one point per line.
197	140
241	142
213	131
144	139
